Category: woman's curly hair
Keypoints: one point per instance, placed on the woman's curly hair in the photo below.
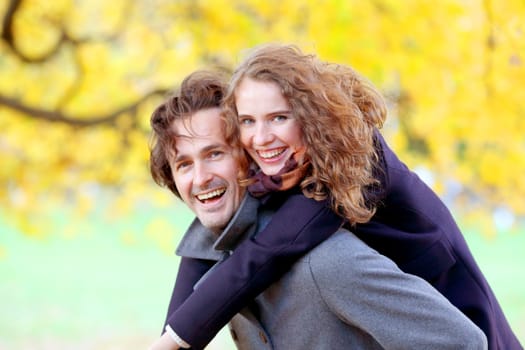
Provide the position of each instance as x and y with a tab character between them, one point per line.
338	111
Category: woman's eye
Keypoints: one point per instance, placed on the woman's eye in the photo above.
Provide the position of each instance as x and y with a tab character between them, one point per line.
280	118
245	121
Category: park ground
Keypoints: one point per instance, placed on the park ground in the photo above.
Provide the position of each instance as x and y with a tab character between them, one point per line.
96	290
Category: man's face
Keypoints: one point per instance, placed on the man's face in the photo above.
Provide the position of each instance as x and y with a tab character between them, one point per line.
205	170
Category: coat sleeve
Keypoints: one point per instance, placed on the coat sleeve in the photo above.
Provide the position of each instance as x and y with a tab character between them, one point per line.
399	310
299	225
190	271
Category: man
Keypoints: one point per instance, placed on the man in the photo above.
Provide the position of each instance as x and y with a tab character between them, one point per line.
341	295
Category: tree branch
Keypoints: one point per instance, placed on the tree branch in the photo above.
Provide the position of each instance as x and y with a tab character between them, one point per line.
7	22
56	116
8	34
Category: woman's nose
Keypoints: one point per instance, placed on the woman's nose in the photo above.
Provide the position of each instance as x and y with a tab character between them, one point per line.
262	134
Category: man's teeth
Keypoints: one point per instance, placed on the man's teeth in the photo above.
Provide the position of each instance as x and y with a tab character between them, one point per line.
211	194
270	154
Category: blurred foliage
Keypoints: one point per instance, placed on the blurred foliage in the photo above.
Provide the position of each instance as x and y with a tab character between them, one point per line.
79	79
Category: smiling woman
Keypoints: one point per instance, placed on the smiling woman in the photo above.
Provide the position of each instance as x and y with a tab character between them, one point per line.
268	130
337	114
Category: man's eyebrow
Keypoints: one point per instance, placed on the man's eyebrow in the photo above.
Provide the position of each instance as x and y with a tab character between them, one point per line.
179	158
213	147
209	148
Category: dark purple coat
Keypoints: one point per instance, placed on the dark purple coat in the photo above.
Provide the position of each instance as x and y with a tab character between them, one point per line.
412	227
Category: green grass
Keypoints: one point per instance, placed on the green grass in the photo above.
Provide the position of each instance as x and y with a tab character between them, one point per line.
93	291
104	286
502	260
87	289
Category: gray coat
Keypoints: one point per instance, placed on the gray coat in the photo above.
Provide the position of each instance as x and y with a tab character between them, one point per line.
341	295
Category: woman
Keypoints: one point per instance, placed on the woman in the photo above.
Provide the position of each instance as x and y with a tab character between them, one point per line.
313	124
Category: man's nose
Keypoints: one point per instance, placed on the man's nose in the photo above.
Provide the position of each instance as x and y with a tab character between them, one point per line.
202	174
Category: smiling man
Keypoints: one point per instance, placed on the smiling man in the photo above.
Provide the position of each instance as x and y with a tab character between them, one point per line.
340	295
204	168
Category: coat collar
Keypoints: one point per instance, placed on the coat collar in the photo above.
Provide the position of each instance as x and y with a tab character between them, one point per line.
200	243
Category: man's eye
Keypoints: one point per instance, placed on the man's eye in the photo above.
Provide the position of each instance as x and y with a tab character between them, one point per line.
215	154
182	166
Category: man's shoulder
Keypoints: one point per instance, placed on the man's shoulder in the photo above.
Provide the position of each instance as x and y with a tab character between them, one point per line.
342	244
197	243
345	253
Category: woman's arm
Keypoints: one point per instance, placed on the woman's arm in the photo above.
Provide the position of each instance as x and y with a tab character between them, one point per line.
189	273
299	225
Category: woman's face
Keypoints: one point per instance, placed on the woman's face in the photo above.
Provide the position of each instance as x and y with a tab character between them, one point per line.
269	132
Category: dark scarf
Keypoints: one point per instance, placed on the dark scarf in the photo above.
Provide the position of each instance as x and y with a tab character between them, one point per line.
289	176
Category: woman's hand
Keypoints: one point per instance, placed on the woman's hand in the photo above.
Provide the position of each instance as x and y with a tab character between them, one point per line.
165	342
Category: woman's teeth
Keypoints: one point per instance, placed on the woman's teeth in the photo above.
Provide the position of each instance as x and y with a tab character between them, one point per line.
270	154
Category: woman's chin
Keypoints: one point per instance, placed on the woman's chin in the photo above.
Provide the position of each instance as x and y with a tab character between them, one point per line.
271	169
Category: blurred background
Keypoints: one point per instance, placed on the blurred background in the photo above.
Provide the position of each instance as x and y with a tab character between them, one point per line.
87	238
